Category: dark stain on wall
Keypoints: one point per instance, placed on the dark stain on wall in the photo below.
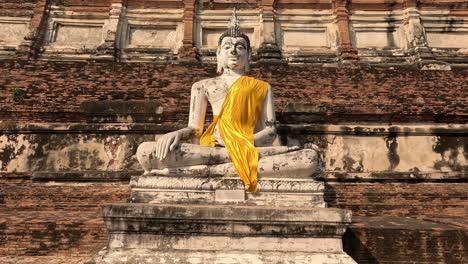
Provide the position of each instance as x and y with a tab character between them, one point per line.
392	146
450	149
3	228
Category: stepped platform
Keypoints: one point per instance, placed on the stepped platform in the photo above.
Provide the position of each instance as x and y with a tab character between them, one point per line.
187	233
194	219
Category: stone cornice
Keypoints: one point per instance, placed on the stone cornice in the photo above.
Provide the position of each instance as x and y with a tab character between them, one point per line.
186	30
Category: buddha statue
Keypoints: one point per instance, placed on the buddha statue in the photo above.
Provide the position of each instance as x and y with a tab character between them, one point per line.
239	140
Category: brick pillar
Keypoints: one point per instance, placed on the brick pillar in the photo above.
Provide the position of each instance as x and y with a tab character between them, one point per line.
188	51
269	49
33	41
415	31
110	45
416	38
346	52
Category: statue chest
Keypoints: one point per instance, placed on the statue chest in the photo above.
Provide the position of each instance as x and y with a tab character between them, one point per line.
216	96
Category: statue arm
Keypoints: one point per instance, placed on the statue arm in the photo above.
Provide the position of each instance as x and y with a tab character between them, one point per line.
267	134
198	104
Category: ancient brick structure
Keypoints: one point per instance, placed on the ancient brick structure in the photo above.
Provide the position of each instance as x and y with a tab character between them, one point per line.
380	86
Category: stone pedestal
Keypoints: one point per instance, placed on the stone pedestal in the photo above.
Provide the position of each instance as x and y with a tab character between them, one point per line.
280	192
214	220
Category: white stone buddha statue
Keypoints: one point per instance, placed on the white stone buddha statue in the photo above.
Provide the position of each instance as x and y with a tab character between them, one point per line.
239	141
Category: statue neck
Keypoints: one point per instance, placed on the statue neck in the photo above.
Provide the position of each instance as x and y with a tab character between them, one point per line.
232	72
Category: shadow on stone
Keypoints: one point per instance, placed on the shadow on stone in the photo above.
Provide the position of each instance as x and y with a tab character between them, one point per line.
354	247
329	195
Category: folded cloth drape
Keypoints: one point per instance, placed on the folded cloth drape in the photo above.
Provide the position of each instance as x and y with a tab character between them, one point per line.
236	123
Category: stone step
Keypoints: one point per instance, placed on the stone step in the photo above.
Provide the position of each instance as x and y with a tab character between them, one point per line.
218	233
229	219
396	240
49	237
147	256
285	192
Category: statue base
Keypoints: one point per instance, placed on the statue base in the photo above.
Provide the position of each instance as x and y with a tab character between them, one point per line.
221	190
214	220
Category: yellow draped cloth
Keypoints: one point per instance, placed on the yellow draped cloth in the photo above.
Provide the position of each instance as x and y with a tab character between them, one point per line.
236	123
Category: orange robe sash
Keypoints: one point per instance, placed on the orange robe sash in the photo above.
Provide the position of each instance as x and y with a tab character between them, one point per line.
236	123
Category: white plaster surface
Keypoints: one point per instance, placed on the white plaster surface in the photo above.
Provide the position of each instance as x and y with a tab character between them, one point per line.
445	30
304	39
417	152
447	39
12	32
305	29
356	153
153	29
89	36
65	152
374	154
22	149
371	39
368	153
159	37
62	159
378	29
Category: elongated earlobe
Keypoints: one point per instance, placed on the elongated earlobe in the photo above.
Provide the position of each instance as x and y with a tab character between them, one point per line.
219	66
247	63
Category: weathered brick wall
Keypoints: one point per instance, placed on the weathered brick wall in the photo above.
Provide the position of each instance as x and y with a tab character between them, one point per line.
62	219
403	199
17	8
54	91
404	222
54	219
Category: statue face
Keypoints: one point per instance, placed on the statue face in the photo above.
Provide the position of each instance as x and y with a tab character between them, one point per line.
233	54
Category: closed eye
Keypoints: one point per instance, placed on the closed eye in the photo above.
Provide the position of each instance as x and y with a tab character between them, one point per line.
240	46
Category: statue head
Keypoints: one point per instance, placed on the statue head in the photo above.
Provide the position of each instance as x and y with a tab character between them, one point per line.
233	48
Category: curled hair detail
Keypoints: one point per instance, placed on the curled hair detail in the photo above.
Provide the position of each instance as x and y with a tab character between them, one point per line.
241	35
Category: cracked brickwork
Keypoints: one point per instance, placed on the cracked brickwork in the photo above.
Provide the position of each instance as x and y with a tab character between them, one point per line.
54	91
54	219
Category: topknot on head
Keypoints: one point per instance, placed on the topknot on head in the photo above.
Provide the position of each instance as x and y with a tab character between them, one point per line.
234	31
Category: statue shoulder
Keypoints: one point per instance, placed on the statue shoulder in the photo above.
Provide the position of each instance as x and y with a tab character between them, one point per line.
205	82
258	81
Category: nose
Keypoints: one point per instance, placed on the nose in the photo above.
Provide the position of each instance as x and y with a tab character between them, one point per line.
233	51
